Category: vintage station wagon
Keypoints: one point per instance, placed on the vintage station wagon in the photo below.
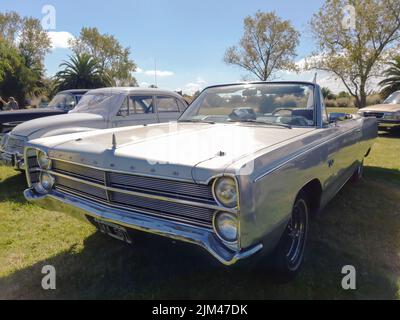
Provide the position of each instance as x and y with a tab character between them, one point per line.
239	174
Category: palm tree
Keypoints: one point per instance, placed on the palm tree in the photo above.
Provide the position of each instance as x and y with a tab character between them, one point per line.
392	81
82	72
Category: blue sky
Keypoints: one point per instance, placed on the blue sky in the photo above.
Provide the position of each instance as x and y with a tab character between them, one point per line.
187	38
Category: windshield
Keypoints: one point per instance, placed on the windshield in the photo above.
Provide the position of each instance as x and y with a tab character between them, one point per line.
94	103
394	98
62	101
269	103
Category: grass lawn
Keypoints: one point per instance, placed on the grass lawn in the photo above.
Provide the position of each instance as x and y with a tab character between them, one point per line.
360	227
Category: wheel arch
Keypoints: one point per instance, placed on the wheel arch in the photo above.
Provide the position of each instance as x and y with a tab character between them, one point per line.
313	190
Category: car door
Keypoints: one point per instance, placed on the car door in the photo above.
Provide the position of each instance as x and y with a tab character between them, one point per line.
136	110
169	108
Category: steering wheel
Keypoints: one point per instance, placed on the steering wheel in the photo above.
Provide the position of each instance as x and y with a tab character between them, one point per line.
282	109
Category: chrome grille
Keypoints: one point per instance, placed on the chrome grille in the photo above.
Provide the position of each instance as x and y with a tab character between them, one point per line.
75	170
104	186
175	189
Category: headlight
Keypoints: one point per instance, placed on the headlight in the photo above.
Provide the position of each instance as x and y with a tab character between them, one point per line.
225	192
43	160
226	226
45	184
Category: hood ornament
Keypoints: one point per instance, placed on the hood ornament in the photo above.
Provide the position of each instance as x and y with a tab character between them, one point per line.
114	142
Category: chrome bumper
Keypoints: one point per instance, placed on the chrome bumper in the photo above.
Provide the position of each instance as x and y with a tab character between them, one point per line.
58	201
12	160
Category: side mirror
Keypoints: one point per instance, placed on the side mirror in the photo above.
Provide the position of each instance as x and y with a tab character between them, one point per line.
339	116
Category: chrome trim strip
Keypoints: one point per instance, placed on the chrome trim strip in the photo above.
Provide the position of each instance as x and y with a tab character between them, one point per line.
128	173
262	176
143	195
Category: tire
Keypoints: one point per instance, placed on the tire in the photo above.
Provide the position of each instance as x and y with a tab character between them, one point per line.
358	173
289	254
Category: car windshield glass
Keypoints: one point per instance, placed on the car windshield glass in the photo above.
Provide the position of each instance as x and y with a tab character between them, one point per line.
93	103
281	104
63	102
393	98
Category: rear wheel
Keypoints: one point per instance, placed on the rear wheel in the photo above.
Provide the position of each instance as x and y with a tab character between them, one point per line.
289	254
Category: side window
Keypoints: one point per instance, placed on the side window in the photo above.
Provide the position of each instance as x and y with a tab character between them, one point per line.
182	106
140	104
123	111
324	112
167	104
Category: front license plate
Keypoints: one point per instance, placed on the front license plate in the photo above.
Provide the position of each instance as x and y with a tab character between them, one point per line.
113	230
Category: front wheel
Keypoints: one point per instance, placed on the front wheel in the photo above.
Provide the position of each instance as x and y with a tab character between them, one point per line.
289	254
358	173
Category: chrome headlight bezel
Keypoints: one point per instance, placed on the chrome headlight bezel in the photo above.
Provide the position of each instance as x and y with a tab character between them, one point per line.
44	186
231	221
43	160
226	184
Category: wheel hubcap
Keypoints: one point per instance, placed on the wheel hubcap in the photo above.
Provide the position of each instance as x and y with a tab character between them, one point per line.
296	233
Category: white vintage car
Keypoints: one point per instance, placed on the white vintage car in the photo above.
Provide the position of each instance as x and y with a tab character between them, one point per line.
239	174
97	109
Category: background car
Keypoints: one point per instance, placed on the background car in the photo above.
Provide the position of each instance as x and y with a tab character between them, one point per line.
62	103
98	109
387	113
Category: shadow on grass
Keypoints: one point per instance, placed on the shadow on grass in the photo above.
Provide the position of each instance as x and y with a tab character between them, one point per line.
358	228
11	189
393	133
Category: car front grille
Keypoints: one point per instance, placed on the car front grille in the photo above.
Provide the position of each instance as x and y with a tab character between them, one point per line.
173	200
378	115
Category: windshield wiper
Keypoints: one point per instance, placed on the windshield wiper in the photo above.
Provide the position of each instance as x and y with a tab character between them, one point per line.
288	126
196	121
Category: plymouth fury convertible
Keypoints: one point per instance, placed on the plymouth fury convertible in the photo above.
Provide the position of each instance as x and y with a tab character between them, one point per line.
239	174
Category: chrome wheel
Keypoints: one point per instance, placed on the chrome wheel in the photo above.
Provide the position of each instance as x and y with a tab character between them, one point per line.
296	234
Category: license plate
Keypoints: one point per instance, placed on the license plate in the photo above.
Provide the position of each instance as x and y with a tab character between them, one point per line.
113	230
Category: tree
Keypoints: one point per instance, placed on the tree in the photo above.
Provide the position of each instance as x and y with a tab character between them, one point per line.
27	35
355	54
82	71
327	93
110	54
267	45
16	79
391	83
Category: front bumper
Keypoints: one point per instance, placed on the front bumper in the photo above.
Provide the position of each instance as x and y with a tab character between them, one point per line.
14	160
77	207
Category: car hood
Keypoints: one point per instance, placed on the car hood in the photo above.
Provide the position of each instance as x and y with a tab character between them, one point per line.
382	108
36	128
173	150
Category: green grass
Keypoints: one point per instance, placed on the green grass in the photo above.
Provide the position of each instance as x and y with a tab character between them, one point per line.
360	227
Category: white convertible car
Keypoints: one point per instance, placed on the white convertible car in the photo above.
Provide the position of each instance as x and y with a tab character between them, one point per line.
98	109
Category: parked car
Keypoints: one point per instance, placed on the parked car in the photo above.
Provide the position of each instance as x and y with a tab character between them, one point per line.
240	173
387	113
98	109
62	103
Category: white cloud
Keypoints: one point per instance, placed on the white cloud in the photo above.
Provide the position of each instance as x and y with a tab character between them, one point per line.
139	70
192	87
159	73
59	40
144	84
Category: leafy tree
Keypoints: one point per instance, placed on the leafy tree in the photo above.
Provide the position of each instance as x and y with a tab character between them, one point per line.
16	79
327	93
27	35
391	83
355	54
82	71
110	54
267	45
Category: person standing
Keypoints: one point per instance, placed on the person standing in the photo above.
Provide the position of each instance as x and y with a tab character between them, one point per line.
12	104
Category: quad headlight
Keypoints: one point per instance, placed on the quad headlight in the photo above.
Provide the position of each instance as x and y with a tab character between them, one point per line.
45	184
225	192
43	160
226	226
